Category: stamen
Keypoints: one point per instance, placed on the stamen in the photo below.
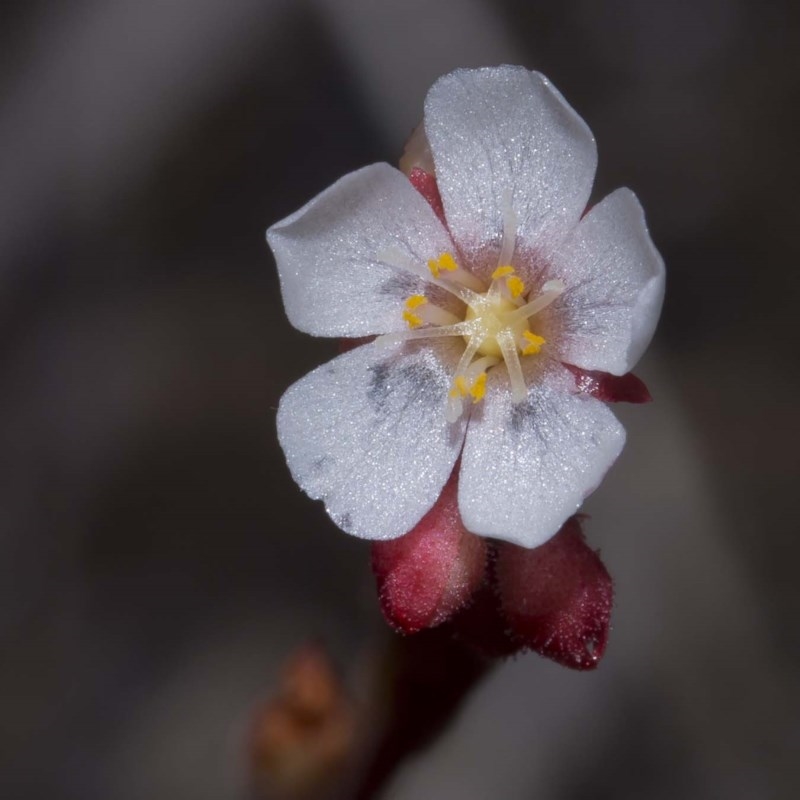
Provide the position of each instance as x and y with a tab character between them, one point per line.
516	286
478	388
476	376
411	319
447	263
480	365
415	301
454	405
459	387
551	291
531	343
394	257
509	230
459	329
434	315
513	283
502	272
444	262
519	391
419	310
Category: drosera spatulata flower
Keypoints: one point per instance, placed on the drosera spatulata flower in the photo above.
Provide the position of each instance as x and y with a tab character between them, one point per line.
487	295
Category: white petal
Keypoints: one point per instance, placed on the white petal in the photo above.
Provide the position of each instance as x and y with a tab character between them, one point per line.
615	287
329	253
367	434
506	133
527	468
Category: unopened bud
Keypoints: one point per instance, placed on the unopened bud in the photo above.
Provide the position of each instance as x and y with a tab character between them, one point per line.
557	598
430	573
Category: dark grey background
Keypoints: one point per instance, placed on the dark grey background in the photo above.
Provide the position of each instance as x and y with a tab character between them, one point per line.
157	562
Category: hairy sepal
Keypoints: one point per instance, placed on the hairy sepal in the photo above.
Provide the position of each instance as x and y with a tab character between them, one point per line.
557	598
430	573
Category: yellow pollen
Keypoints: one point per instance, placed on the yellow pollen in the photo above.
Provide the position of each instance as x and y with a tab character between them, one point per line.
444	262
515	286
534	343
478	388
415	301
413	320
459	387
503	272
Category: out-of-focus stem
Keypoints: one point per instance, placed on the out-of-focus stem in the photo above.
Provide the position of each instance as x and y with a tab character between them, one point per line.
428	676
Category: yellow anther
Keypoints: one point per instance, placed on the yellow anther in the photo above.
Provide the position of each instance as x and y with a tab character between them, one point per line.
503	272
513	281
534	343
415	301
444	262
515	286
478	388
459	387
413	320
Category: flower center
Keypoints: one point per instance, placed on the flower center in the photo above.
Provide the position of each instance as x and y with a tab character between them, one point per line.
492	316
495	325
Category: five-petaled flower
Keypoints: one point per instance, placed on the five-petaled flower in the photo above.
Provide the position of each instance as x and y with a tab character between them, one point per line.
484	311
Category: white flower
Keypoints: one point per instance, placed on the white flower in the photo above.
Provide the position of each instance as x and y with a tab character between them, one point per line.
481	315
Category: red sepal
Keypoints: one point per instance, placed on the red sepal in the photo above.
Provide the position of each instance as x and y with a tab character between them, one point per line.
428	574
610	388
557	598
426	185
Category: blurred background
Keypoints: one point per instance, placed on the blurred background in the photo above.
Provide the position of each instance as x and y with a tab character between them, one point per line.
157	564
